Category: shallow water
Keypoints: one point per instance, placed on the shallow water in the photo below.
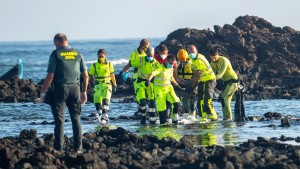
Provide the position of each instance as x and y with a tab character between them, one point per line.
18	116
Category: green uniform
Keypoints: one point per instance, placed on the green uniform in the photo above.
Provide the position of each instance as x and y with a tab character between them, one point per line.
103	87
185	72
164	92
143	93
207	83
67	64
224	71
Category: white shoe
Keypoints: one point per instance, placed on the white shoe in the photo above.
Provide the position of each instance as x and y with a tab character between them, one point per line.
104	118
169	121
98	117
175	118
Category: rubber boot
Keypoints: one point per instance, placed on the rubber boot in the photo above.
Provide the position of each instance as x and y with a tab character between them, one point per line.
104	116
163	115
175	118
143	119
152	117
98	114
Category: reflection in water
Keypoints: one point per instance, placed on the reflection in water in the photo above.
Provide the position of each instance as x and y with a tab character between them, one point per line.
15	117
213	134
207	136
160	131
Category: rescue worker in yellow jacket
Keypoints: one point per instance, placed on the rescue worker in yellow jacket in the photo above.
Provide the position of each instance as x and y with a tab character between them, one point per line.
164	91
205	78
139	52
105	83
184	77
145	65
136	54
223	70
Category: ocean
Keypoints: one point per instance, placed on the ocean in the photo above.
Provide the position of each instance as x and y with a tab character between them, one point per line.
15	117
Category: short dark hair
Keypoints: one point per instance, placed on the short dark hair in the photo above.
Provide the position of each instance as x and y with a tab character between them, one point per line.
101	51
214	52
171	57
162	48
60	37
144	42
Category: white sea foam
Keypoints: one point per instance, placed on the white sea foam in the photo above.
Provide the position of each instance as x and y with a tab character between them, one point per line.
114	62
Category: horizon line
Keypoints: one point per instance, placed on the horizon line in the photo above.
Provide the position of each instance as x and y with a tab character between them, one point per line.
44	40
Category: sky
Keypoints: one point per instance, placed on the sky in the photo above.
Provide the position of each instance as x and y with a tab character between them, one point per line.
34	20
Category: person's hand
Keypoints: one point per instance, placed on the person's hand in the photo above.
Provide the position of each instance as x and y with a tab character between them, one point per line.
195	91
181	82
125	76
114	89
147	83
83	97
179	88
42	97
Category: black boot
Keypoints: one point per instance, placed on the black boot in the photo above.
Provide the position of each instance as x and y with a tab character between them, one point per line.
143	120
163	115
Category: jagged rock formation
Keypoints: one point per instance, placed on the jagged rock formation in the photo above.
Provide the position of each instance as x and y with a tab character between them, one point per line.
266	57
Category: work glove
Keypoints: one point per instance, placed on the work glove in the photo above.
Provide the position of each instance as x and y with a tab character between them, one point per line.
195	91
42	97
147	83
124	76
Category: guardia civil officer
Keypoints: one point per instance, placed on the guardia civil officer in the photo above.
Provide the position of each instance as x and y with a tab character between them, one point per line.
64	69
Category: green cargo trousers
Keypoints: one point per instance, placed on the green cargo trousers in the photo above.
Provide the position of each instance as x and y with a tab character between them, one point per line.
226	97
66	95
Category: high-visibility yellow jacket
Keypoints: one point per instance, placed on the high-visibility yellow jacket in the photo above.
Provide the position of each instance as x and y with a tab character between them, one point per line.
101	72
135	55
145	67
201	64
163	75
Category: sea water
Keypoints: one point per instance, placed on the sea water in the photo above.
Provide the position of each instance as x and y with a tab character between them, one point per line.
14	117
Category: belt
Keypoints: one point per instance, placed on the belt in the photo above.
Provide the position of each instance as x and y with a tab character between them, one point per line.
102	81
143	80
231	81
61	84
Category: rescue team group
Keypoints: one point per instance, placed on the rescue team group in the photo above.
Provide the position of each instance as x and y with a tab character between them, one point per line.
193	78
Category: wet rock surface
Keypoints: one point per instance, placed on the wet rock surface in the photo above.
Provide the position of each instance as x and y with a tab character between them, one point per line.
264	56
18	90
23	90
119	148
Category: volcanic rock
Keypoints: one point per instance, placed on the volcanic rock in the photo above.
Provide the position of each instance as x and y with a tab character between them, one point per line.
264	56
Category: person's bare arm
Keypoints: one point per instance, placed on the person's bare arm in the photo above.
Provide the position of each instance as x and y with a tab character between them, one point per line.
83	96
196	79
150	77
174	82
113	79
47	82
126	67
